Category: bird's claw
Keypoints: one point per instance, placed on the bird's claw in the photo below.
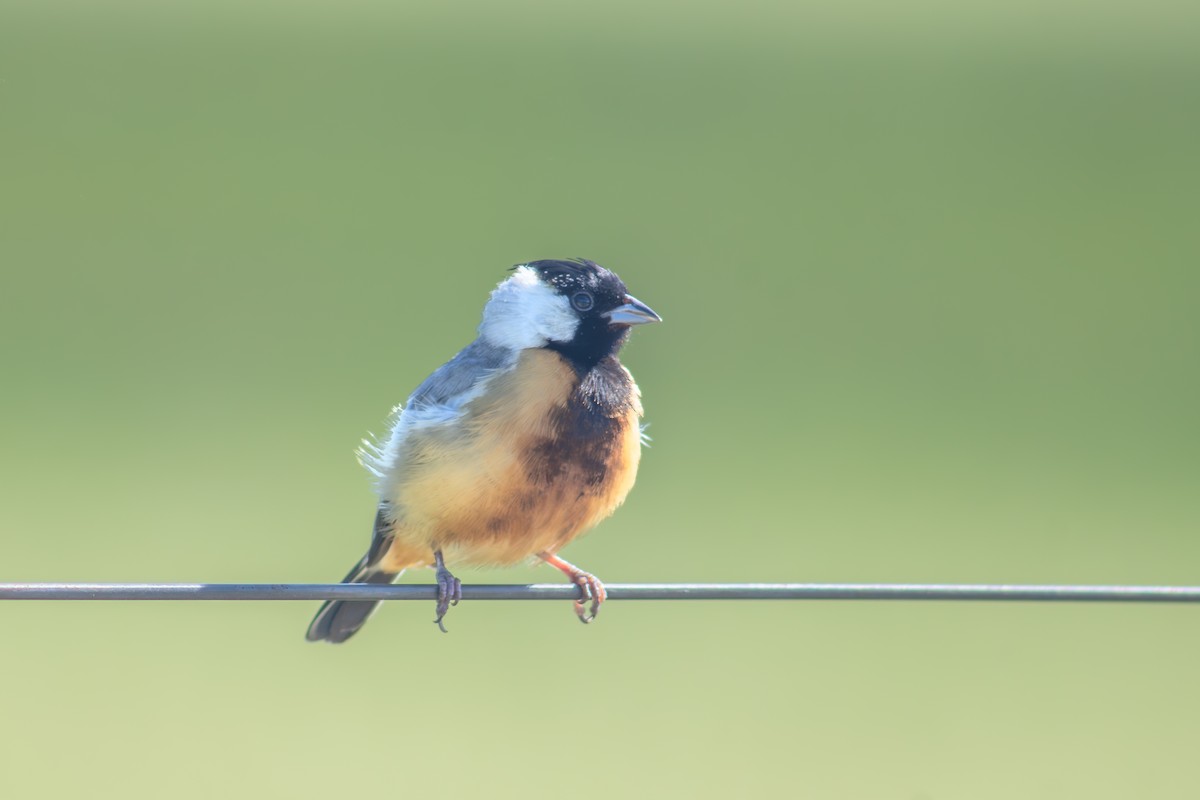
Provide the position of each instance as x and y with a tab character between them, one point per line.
449	593
592	590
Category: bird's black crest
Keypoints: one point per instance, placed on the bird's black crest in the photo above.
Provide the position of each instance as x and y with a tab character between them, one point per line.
567	275
568	266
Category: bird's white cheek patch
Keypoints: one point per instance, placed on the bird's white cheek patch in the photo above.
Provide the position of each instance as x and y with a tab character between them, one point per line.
523	312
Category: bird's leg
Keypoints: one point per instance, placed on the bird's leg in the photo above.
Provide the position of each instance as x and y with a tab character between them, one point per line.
589	586
449	589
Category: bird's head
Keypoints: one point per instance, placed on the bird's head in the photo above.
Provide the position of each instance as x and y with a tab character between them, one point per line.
576	307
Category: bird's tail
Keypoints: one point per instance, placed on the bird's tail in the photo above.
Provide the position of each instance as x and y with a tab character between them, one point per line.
338	620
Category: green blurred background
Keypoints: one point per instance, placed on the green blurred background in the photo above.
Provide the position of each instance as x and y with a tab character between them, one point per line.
930	276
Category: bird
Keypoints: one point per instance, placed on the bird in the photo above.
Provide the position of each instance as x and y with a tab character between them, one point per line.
529	437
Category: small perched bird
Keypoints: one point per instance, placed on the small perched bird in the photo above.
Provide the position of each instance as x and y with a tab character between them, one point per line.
526	439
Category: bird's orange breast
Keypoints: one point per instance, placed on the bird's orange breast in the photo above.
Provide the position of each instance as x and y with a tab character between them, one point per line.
540	457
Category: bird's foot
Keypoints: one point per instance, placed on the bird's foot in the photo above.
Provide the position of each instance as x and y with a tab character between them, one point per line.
449	591
590	588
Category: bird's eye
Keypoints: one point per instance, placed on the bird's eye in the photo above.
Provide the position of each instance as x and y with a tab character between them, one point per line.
583	301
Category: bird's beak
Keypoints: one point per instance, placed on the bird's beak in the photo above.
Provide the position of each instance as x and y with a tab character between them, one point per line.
634	312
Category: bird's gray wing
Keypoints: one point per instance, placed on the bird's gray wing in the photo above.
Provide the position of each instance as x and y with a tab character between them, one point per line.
437	401
458	380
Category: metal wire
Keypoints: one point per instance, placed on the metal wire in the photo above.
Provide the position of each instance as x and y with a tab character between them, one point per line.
616	591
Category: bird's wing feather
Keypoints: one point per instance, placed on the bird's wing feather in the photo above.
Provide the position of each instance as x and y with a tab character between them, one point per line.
459	380
437	401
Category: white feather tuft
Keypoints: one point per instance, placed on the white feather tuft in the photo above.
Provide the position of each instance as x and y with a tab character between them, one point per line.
643	436
377	455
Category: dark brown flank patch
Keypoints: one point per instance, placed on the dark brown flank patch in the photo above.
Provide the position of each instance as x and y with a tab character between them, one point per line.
586	433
